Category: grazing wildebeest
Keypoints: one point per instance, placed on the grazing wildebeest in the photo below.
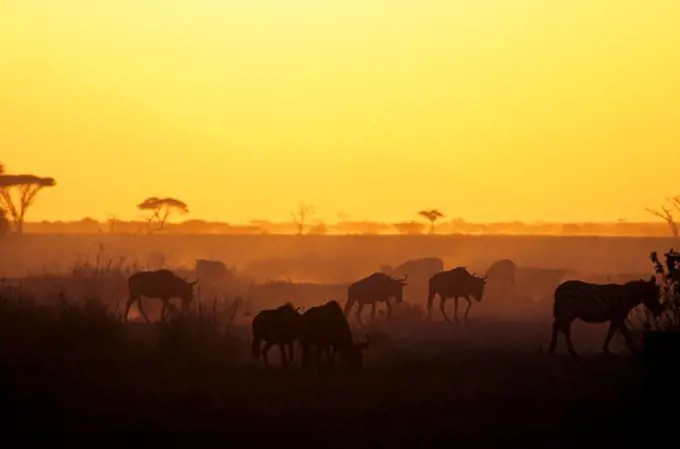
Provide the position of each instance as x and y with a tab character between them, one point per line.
540	283
425	267
378	287
211	274
326	328
454	283
502	272
276	327
161	284
210	269
599	303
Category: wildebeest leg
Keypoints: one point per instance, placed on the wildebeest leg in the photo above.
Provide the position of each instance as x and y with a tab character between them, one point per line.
359	310
373	312
553	341
455	310
265	350
164	310
566	329
610	334
389	310
284	357
306	350
442	301
141	310
128	305
626	334
467	311
329	359
291	345
317	357
332	357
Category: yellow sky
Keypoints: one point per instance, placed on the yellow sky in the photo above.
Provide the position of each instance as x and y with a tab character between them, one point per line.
486	109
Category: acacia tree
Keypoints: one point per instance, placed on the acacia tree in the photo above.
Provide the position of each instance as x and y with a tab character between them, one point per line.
432	216
302	216
161	208
17	194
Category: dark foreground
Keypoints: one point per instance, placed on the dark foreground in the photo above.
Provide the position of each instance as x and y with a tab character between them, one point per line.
432	391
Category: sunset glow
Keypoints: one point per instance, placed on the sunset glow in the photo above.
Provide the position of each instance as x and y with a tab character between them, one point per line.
489	110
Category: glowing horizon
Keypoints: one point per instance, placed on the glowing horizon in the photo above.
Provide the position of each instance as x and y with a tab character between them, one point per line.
488	110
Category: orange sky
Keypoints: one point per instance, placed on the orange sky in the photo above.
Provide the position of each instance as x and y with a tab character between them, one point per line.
486	109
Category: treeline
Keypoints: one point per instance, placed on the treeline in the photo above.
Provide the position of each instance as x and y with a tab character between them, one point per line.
257	227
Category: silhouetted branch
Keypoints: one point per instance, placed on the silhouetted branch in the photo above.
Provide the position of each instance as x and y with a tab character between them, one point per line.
301	216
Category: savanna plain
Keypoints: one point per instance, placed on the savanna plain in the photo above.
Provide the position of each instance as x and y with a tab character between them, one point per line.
70	362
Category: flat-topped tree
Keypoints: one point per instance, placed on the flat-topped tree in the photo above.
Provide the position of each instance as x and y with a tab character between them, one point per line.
161	208
432	216
17	194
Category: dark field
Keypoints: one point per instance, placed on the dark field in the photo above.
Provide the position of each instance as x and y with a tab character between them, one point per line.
71	367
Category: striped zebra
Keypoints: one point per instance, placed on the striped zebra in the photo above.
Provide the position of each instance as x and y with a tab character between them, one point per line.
599	303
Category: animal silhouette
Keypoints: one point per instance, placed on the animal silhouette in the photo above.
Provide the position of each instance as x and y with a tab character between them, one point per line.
454	283
325	328
599	303
378	287
276	326
161	284
502	272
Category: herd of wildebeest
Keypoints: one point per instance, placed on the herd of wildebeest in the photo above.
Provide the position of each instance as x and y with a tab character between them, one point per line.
325	329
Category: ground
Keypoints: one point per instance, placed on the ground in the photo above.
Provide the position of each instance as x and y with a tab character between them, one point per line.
485	382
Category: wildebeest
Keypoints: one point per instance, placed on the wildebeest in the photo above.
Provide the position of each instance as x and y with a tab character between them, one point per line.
161	284
276	327
211	273
425	267
326	328
454	283
540	283
378	287
599	303
502	272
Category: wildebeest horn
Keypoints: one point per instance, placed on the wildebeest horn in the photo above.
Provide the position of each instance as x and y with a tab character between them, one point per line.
402	280
362	346
193	283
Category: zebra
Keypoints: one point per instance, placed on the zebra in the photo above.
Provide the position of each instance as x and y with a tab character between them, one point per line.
276	326
599	303
454	283
378	287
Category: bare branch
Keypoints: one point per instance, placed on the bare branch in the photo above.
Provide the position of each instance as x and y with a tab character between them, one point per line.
665	214
301	217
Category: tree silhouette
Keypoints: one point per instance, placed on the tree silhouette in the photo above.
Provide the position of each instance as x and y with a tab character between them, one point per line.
4	223
432	216
667	215
17	194
161	208
301	217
